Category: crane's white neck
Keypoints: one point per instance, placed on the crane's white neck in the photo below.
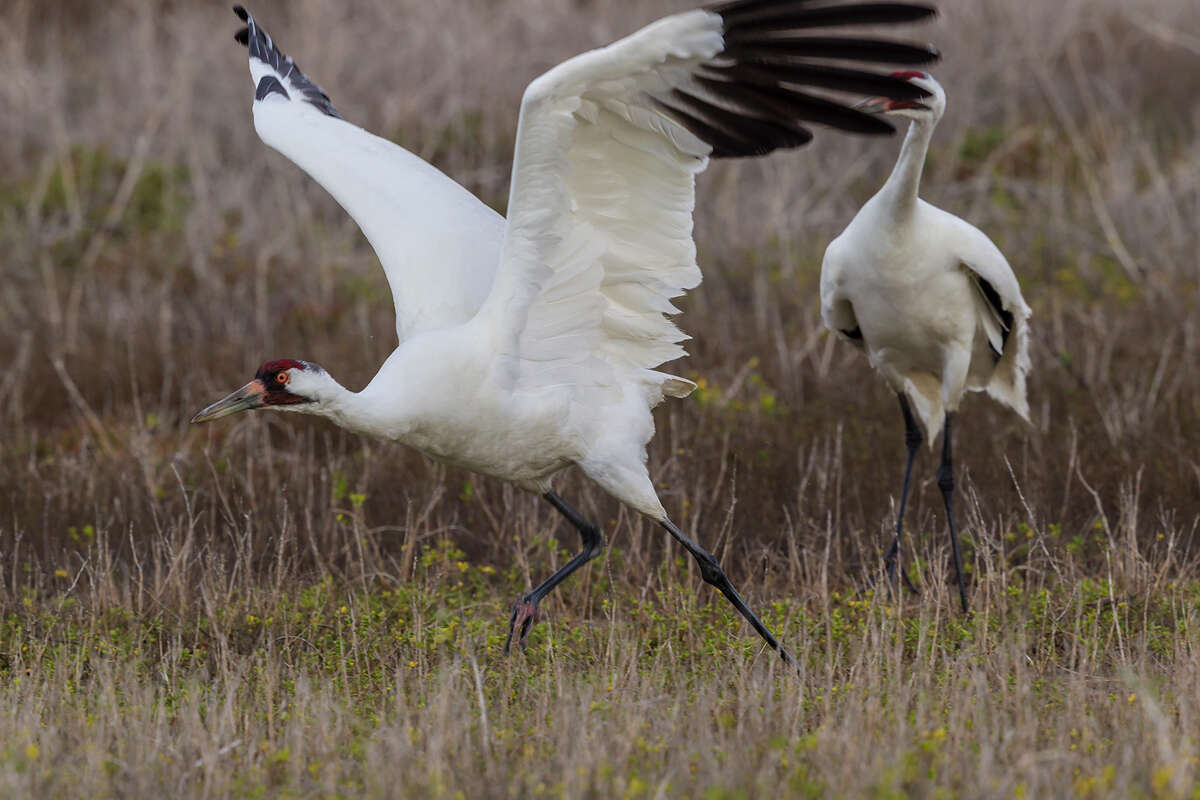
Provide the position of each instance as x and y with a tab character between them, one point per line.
903	185
355	411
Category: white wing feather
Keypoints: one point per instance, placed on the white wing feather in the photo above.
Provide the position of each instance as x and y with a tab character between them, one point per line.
439	245
599	236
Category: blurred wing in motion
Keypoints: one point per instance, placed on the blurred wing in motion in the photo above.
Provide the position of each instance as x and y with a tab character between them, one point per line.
437	242
599	235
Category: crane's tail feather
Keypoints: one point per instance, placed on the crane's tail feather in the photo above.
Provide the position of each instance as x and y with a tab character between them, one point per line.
1007	383
673	385
925	393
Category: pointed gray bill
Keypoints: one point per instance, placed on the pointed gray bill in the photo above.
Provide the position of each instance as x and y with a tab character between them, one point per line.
248	397
880	105
872	105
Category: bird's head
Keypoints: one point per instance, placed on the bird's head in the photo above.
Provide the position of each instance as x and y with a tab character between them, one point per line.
928	108
285	384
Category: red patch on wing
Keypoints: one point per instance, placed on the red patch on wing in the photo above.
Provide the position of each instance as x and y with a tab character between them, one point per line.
908	75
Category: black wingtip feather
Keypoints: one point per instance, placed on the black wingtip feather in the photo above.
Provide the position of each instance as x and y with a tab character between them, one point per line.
744	8
756	47
264	49
821	76
745	134
724	143
781	105
798	15
746	102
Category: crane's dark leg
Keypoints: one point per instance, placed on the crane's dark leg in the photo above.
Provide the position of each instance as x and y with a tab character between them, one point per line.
712	573
525	612
912	441
946	484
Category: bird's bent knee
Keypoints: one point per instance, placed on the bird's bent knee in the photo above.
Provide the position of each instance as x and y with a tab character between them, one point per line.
913	438
711	571
945	479
593	542
595	548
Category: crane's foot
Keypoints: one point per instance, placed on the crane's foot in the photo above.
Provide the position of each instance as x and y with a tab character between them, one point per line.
524	616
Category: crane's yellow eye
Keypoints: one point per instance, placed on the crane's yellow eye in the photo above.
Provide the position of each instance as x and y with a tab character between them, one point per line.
282	377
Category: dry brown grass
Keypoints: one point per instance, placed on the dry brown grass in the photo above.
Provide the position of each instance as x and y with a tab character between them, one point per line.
274	606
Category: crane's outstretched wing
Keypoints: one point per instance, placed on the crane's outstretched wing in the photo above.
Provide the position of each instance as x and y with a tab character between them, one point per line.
599	235
439	245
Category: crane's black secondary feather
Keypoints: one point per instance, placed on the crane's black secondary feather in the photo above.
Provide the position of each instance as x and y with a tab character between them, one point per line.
1006	317
263	48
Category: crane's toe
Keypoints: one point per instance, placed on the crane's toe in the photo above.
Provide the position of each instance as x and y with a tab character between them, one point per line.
524	616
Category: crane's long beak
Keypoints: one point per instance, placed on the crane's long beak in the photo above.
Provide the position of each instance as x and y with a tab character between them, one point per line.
881	105
248	397
872	105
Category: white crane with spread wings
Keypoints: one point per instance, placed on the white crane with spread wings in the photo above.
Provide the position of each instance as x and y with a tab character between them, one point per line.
531	343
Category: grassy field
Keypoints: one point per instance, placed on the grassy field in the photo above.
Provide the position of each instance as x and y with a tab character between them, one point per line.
272	607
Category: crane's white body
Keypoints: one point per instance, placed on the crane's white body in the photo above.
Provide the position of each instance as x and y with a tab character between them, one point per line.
907	275
530	343
470	419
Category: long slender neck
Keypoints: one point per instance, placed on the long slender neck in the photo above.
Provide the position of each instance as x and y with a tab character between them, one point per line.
904	183
345	408
365	412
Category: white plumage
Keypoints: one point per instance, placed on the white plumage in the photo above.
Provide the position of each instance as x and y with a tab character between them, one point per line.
530	344
437	242
928	296
600	218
